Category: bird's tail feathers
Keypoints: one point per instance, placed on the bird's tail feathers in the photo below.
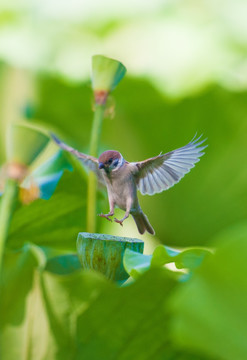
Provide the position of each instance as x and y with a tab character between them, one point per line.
143	223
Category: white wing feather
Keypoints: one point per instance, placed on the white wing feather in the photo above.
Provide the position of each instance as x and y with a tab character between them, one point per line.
157	174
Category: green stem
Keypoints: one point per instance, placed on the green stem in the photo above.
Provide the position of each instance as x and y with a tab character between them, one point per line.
92	181
6	210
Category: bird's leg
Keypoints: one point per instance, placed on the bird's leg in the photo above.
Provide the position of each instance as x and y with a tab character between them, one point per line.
111	213
122	220
106	216
126	215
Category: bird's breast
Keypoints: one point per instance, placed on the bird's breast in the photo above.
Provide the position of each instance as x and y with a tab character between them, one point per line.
121	187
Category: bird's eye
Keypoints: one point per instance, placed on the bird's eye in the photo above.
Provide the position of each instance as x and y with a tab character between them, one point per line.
109	161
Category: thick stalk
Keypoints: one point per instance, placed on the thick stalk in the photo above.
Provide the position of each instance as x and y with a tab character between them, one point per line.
6	210
92	181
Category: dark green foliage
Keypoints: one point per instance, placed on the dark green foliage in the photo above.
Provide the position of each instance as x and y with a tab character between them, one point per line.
210	310
213	195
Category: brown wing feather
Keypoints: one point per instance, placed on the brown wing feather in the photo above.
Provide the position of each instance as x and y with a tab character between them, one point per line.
161	172
87	160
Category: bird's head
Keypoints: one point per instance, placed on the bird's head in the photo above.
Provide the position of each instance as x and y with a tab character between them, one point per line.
110	160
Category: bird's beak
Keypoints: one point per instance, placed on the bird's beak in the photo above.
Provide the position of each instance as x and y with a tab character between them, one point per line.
101	165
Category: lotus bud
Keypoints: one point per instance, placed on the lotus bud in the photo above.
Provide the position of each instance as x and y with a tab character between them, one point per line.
25	143
106	74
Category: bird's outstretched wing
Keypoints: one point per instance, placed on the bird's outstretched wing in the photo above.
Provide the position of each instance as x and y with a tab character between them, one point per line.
87	160
163	171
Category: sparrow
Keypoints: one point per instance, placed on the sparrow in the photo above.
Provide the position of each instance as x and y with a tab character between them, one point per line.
154	175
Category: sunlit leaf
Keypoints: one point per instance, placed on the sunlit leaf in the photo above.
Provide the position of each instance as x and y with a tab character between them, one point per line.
135	264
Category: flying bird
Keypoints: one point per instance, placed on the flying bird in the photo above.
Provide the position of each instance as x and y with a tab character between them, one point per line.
122	178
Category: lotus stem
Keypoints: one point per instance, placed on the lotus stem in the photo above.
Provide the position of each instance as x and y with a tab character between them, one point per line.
7	206
92	181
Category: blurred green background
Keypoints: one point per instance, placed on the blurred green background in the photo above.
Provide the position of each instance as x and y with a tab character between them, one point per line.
187	73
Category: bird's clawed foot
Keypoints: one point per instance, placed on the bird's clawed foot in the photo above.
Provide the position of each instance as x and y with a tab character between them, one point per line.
106	216
118	221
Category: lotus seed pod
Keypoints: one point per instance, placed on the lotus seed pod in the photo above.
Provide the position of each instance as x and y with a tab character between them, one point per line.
104	253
